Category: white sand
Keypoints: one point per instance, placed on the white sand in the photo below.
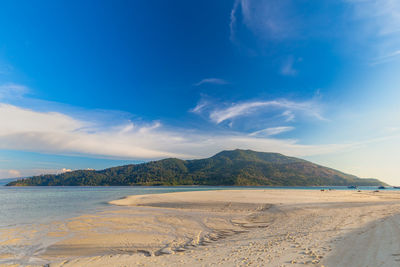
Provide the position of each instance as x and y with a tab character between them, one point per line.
236	228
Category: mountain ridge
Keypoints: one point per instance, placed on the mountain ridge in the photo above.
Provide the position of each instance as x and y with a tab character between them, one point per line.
228	167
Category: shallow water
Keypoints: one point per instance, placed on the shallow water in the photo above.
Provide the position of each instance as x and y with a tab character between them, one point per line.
30	211
27	205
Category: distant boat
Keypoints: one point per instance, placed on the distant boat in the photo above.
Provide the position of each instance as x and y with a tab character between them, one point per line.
352	187
381	187
396	187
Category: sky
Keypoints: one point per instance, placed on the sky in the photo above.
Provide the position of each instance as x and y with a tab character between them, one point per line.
95	84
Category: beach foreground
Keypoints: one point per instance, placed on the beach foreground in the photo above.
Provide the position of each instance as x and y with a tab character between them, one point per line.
235	227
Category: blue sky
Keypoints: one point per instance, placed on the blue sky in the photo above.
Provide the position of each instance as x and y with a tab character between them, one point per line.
94	84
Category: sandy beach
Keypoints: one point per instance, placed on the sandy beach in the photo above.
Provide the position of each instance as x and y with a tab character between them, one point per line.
234	228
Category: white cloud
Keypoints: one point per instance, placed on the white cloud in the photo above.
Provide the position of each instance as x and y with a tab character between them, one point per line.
211	81
279	19
288	67
232	24
272	19
14	173
11	90
6	173
378	26
63	170
370	28
52	132
386	58
383	15
289	115
57	133
272	131
235	110
199	107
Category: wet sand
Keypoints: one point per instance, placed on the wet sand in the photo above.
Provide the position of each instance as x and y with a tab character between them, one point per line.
235	228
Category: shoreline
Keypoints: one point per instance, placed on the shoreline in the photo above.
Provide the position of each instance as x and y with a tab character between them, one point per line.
224	227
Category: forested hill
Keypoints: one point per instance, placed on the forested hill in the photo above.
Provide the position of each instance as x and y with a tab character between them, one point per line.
236	167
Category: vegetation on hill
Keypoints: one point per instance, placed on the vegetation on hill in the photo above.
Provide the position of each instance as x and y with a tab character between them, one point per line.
236	167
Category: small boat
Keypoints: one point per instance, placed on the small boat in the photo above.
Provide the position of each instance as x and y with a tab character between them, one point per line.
381	187
396	187
352	187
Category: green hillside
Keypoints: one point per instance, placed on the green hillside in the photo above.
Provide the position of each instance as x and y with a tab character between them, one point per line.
236	167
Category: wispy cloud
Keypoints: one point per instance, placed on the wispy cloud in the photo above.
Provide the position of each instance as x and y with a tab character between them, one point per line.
63	170
280	19
288	67
200	106
54	132
289	115
11	90
235	110
233	22
383	16
211	81
378	25
57	133
272	131
370	27
12	173
386	58
263	18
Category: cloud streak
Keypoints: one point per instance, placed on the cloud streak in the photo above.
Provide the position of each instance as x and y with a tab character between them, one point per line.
57	133
267	19
11	90
383	16
235	110
387	58
211	81
11	173
370	27
376	25
287	68
272	131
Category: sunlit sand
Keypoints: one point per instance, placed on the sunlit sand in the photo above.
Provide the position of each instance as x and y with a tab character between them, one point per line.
238	227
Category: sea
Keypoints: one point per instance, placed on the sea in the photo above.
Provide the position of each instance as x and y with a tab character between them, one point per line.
25	207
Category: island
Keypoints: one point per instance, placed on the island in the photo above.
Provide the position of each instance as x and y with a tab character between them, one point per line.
227	168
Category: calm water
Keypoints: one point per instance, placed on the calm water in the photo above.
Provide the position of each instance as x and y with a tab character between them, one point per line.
32	206
27	205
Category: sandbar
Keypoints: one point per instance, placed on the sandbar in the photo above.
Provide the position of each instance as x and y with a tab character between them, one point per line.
235	228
